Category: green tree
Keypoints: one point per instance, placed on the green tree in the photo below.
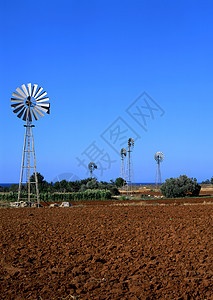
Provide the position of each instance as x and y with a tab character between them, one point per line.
39	177
64	185
207	181
42	184
180	187
13	188
92	184
119	182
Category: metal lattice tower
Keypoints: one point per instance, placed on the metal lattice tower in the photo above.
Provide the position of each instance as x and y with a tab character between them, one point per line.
129	169
92	166
159	156
27	103
123	155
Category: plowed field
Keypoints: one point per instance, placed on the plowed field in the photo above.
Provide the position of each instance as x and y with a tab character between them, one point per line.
107	252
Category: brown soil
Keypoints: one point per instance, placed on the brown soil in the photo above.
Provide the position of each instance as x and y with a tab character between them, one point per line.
107	252
136	201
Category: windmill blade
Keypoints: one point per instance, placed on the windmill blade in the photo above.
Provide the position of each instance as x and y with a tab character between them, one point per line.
43	99
18	96
16	104
29	88
30	115
20	92
35	115
18	109
21	112
42	109
34	89
25	89
38	92
43	104
42	95
38	111
25	117
16	100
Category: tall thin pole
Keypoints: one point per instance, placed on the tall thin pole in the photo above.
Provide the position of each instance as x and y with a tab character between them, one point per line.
158	173
22	167
36	177
28	159
122	173
129	170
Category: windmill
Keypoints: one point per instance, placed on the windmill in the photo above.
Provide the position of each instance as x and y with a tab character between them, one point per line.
92	166
123	155
130	174
159	156
28	103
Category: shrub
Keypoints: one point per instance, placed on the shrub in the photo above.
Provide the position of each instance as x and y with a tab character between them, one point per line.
114	190
119	182
122	198
180	187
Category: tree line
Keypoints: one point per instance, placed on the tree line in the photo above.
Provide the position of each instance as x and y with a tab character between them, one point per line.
65	186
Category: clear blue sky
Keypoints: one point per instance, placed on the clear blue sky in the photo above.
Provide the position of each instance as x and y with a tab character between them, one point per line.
94	58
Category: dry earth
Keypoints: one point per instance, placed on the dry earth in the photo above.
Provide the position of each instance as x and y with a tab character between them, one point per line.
107	252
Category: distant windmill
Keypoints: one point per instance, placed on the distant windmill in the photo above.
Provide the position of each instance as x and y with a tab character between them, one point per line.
92	166
29	102
123	155
159	156
129	169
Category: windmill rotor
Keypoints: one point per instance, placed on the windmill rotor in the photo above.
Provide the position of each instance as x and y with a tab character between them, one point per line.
123	152
28	102
92	166
130	143
159	156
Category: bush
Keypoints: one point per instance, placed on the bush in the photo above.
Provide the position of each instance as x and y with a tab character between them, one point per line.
89	194
119	182
180	187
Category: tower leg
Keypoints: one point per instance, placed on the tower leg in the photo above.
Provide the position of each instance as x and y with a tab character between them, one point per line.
158	175
122	173
36	177
28	161
22	167
159	172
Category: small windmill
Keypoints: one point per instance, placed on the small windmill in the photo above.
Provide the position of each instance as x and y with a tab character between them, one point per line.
92	166
28	103
159	156
129	169
123	155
